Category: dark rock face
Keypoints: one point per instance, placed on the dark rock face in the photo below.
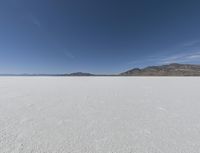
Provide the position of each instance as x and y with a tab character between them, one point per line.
166	70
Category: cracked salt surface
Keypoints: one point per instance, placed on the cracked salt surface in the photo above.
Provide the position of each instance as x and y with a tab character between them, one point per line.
99	115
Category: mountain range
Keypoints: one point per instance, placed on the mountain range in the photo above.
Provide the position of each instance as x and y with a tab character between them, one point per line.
173	69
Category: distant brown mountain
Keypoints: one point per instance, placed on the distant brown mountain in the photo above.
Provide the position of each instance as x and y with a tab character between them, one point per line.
80	74
173	69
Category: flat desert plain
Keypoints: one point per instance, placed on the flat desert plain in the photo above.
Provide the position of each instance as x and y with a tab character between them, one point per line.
99	115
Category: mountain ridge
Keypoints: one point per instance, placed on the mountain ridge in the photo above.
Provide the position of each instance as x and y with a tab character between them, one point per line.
173	69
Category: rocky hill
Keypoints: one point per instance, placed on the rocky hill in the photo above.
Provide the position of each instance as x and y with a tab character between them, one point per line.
165	70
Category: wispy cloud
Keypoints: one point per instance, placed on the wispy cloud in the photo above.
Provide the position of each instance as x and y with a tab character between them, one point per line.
191	43
187	57
68	54
188	52
181	58
34	20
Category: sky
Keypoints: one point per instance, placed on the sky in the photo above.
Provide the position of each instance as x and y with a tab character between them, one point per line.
97	36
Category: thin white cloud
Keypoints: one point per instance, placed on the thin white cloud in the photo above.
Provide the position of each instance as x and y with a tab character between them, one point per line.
190	58
34	20
191	43
69	55
197	56
188	52
181	58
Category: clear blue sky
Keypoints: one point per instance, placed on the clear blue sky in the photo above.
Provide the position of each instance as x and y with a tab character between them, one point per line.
98	36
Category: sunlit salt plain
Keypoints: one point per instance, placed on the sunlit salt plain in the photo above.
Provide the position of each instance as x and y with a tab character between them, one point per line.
99	115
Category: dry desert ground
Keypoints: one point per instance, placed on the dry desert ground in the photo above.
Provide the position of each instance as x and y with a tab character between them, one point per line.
99	115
